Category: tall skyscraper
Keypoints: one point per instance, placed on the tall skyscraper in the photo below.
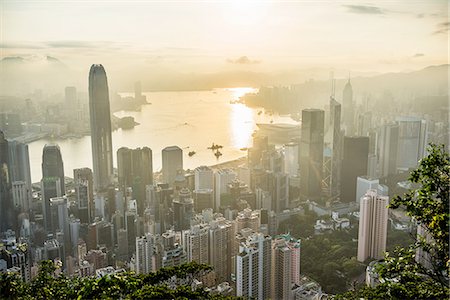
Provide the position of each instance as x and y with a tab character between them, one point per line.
412	141
84	189
135	170
354	164
253	267
52	180
373	220
336	146
19	163
172	163
291	159
6	203
348	110
387	149
100	117
311	153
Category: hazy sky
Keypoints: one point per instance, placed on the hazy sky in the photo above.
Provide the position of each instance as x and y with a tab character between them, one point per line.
229	35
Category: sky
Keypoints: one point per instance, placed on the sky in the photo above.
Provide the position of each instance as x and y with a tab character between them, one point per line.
212	36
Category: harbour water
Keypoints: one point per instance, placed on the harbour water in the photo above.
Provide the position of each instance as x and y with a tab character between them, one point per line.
192	120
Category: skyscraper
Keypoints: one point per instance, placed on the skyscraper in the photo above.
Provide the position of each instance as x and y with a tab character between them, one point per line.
348	110
203	178
412	141
221	180
387	149
373	220
135	169
6	203
52	180
354	164
172	163
100	127
311	153
84	188
336	146
19	163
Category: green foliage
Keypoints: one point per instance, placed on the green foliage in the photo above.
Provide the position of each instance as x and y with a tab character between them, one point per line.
300	226
330	260
428	204
167	283
401	275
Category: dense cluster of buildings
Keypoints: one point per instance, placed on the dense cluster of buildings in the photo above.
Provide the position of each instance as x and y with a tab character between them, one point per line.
103	221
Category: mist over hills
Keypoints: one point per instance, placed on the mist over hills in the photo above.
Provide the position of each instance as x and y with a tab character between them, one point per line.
22	75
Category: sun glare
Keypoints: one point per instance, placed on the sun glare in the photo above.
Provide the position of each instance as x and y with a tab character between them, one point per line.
245	12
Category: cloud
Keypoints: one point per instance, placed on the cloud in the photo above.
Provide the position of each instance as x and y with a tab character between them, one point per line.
443	27
365	9
20	45
243	60
418	55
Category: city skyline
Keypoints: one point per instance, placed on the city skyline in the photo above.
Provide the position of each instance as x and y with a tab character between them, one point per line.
270	140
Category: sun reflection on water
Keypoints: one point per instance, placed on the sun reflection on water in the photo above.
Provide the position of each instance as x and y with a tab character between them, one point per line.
238	92
241	125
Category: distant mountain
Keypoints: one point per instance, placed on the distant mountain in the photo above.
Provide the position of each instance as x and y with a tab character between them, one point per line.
25	74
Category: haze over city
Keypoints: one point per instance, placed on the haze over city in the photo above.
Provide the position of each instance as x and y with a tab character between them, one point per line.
258	149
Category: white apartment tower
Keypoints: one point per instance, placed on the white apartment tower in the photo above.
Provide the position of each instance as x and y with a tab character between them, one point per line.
373	220
144	254
196	242
253	267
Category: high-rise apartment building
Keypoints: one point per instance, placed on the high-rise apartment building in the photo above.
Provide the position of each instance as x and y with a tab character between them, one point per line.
144	254
100	117
196	243
221	236
311	153
253	267
373	221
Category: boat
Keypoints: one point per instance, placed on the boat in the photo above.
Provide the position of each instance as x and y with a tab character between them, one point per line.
215	147
191	153
244	149
259	112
